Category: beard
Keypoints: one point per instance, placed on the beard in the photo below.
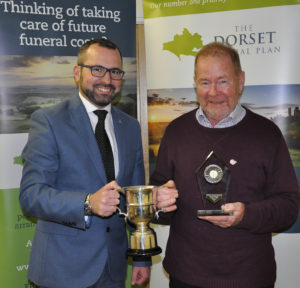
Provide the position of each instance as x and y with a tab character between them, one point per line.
100	99
97	97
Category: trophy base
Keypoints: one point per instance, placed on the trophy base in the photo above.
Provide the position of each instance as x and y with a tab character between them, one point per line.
145	252
213	213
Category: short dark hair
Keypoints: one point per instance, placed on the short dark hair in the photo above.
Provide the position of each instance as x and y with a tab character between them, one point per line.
103	42
218	48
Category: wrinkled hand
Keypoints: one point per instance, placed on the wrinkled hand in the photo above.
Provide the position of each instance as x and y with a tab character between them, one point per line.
165	196
140	275
104	201
238	210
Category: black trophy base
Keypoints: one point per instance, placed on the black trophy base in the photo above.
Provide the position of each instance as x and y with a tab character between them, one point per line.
213	213
145	252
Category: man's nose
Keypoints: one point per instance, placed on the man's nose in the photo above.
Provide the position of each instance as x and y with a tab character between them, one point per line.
213	89
106	78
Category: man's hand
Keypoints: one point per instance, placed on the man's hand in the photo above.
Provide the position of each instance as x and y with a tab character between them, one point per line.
238	210
165	196
140	275
104	201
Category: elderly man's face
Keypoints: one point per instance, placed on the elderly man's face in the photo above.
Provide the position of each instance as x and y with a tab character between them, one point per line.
218	86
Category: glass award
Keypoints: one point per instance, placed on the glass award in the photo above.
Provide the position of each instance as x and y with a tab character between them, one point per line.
213	178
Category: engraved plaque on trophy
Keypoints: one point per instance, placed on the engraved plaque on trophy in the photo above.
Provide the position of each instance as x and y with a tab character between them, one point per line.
213	178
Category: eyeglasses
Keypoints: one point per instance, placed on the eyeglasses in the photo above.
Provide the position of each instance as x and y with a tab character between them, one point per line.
100	71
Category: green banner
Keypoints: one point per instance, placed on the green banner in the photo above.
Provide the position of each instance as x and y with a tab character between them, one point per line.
163	8
16	240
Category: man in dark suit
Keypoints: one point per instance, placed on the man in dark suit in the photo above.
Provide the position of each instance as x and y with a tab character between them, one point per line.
80	240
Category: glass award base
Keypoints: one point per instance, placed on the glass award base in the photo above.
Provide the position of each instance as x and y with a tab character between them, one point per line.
213	213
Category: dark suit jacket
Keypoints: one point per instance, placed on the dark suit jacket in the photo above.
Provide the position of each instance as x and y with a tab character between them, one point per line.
62	165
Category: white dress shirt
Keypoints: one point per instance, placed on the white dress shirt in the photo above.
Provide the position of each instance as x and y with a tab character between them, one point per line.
109	127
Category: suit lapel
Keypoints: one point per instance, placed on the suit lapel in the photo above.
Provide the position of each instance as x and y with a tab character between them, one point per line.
81	121
120	134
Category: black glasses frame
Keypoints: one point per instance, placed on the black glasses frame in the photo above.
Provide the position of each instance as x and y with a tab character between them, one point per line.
112	76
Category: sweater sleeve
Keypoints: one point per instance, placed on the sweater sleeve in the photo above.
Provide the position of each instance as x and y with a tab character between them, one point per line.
280	207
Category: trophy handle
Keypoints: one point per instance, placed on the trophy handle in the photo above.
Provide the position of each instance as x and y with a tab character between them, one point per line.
122	213
157	213
121	190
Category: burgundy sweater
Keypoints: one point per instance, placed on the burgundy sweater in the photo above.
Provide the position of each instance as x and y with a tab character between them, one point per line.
263	178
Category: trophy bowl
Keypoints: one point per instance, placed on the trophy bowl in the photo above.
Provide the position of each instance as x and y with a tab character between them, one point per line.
140	211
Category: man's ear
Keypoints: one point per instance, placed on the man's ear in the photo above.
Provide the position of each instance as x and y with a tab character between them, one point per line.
76	72
241	81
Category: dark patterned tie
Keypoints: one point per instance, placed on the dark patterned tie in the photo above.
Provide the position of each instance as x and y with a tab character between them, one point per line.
104	145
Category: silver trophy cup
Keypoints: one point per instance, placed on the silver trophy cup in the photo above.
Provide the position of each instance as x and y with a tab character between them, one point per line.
140	211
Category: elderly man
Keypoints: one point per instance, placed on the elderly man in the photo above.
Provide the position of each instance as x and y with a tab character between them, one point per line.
233	250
